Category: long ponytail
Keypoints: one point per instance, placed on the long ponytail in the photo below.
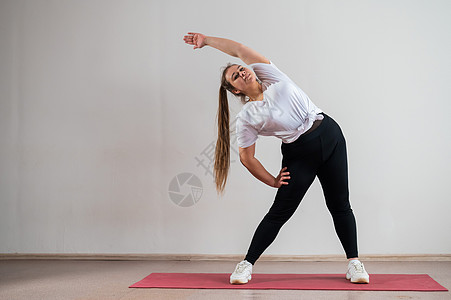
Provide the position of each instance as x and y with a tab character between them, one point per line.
222	150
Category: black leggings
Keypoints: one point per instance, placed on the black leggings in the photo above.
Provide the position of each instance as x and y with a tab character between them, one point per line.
322	153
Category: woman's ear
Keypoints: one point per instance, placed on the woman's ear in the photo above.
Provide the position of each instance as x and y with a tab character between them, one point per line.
236	91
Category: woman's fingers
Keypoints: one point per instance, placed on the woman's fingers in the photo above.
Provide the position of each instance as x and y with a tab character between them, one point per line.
191	36
196	39
284	173
283	176
189	41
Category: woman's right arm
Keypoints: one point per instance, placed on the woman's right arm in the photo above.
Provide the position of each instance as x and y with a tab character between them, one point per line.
247	158
235	49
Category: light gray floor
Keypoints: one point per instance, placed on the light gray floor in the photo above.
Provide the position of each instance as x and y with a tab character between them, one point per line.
84	279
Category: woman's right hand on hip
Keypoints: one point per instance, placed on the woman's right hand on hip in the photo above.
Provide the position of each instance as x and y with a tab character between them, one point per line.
279	180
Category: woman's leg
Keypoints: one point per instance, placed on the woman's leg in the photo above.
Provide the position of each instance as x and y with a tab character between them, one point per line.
303	171
333	176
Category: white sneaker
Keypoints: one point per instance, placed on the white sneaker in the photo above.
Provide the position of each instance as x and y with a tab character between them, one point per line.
242	273
356	272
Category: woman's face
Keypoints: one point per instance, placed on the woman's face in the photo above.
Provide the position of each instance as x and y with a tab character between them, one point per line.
240	77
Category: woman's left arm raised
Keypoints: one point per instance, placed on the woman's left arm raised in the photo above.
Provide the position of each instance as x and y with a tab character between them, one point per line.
235	49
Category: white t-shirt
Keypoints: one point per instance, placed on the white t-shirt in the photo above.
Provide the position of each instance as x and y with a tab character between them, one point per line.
285	112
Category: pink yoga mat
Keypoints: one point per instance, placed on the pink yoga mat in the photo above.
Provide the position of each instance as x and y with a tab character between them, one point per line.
378	282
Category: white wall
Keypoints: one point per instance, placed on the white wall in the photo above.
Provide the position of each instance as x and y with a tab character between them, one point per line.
102	105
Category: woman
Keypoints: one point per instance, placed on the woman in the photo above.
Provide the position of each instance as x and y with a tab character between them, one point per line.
312	145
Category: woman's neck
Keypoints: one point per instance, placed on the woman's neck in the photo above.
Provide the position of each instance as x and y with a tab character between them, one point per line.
256	94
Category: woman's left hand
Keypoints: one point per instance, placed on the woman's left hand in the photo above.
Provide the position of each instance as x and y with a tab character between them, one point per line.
196	39
279	180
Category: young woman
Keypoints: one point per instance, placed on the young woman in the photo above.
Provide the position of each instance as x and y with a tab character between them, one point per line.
312	145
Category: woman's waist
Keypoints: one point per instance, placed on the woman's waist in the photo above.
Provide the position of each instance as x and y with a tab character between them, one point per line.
315	125
314	131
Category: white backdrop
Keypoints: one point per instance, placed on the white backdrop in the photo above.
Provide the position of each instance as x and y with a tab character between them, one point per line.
103	106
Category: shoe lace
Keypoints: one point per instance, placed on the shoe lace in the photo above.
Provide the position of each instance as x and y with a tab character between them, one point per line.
241	267
358	267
